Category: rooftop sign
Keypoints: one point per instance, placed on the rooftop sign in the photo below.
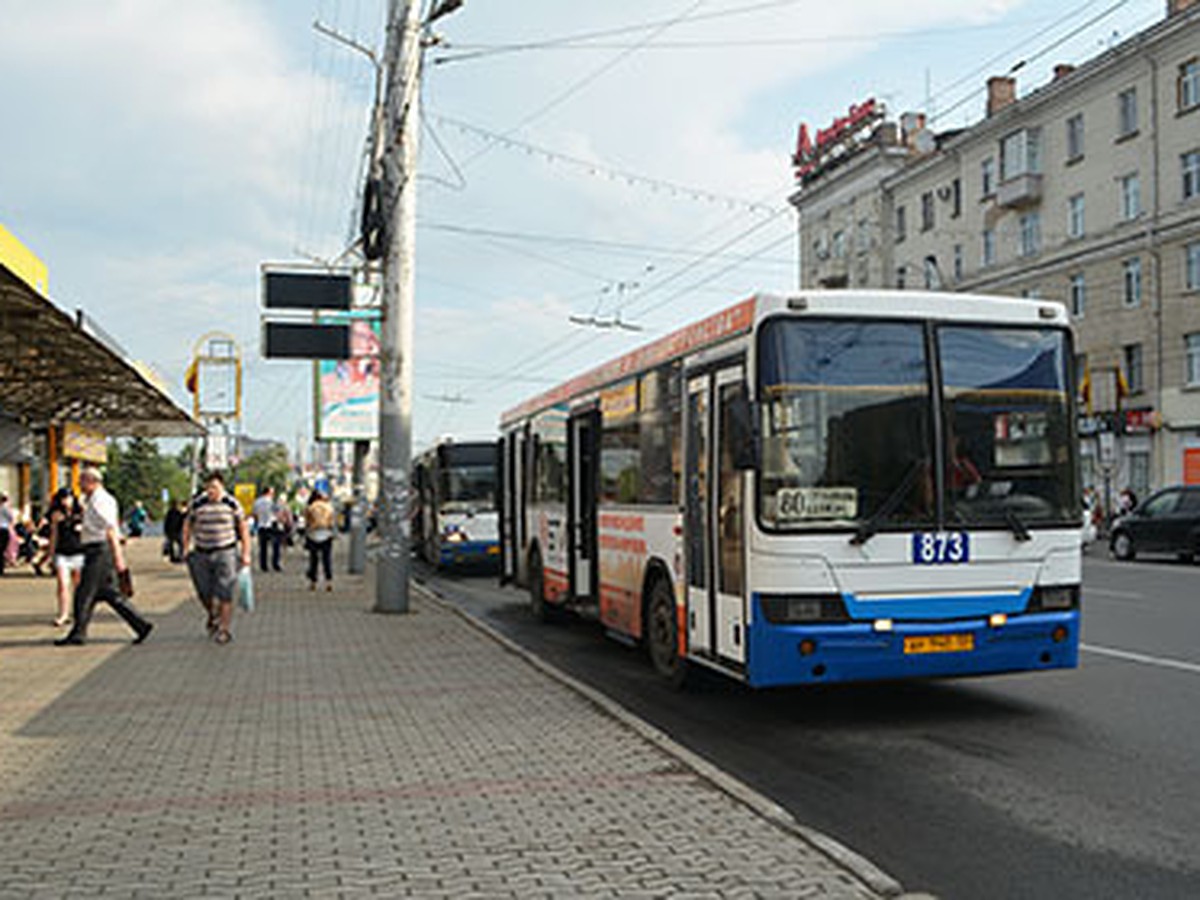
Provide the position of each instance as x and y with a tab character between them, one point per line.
842	135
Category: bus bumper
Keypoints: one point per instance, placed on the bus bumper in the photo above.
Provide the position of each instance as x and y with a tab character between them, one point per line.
856	651
466	553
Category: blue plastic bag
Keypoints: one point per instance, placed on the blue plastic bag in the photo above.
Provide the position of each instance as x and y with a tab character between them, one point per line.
245	589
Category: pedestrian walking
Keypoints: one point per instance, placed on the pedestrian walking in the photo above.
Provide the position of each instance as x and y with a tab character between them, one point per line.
103	563
173	530
7	522
137	519
215	529
318	538
265	520
66	549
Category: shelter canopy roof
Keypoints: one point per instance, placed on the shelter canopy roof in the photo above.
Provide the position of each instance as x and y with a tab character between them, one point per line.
53	370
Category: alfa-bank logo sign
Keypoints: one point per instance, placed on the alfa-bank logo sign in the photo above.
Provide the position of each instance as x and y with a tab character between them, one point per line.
813	154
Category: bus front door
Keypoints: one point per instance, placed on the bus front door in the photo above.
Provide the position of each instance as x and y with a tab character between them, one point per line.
583	440
714	518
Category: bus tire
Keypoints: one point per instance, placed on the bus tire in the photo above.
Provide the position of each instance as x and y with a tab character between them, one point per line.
662	634
541	610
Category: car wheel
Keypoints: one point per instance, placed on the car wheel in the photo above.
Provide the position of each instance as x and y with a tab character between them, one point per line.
662	634
1122	546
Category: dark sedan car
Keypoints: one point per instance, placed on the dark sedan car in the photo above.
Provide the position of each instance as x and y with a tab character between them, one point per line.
1166	522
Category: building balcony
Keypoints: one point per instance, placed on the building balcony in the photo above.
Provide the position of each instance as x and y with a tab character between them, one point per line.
1023	190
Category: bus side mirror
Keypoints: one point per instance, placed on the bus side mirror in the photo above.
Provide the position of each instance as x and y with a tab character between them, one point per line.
743	435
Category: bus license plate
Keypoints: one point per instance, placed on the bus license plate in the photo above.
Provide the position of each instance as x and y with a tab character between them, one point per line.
940	643
940	548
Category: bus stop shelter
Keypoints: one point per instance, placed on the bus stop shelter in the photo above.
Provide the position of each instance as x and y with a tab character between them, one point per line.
55	368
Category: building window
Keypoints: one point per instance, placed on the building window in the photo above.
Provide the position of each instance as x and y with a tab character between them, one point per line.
989	247
1189	84
1132	269
1031	233
1190	164
1021	153
1078	295
927	211
1075	223
1075	137
958	261
1139	471
1127	113
1192	359
839	244
1191	257
956	197
862	236
1133	368
987	177
933	278
1131	197
901	276
900	229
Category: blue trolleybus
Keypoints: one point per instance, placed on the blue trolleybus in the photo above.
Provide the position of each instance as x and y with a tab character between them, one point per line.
824	487
454	504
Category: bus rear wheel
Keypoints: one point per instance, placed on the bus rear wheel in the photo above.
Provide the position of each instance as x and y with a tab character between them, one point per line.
662	634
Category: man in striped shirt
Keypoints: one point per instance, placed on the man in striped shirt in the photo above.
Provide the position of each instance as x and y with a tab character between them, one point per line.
214	529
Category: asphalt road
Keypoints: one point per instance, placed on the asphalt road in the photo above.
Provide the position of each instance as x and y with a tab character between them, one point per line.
1059	785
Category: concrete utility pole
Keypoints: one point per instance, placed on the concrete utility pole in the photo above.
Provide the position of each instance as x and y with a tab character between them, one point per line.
403	61
403	128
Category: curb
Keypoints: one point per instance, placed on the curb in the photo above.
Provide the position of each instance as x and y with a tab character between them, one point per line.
857	865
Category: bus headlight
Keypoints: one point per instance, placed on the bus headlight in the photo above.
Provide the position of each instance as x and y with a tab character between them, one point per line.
784	609
1054	597
454	536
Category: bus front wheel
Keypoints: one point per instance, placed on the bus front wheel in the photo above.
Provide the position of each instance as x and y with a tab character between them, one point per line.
662	634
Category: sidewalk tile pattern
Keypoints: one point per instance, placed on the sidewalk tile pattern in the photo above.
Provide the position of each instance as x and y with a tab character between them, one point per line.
332	752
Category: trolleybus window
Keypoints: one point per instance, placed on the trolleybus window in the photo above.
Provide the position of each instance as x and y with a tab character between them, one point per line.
1006	407
468	478
845	424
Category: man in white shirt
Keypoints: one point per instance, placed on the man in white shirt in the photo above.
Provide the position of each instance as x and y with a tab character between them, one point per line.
103	560
263	511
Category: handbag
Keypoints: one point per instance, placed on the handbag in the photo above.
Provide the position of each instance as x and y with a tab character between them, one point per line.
245	589
125	583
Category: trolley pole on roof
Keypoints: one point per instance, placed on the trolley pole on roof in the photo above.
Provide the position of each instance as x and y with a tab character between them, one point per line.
399	158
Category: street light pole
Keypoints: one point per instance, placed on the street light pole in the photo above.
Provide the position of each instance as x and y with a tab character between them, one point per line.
403	59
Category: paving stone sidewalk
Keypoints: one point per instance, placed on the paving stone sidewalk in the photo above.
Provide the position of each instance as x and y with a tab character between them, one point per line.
332	752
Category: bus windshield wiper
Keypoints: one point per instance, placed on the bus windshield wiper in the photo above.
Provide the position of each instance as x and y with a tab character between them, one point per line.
1020	532
870	528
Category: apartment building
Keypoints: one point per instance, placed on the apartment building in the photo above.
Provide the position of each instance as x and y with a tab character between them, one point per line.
1087	191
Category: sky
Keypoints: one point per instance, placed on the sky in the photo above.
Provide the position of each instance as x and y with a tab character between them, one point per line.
623	161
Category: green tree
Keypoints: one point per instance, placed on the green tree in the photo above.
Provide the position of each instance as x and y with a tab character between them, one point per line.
137	470
264	468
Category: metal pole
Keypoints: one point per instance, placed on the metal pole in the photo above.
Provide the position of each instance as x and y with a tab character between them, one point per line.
396	338
358	511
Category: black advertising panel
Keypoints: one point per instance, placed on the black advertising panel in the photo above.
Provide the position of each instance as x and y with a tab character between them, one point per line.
296	340
306	290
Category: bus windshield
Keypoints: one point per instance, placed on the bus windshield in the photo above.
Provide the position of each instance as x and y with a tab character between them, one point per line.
1007	425
848	427
468	474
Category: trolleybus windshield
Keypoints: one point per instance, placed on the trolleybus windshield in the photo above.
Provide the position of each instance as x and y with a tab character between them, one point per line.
468	479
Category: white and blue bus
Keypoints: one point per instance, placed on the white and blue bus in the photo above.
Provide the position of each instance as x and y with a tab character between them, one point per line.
823	487
454	504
